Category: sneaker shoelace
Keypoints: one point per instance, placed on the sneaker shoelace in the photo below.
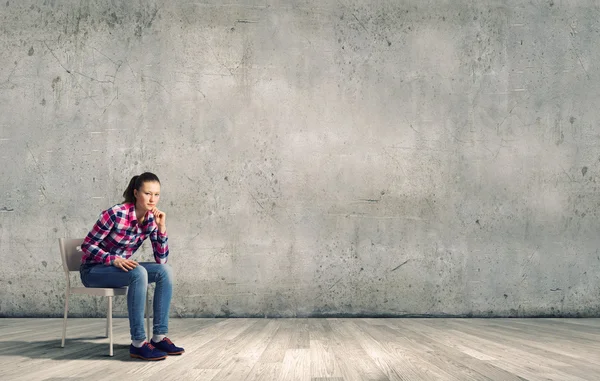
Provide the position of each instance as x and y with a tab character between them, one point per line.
168	341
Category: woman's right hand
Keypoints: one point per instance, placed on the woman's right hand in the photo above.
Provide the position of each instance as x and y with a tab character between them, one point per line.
125	264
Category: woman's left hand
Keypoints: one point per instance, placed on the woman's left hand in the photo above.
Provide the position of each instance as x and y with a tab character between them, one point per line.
160	218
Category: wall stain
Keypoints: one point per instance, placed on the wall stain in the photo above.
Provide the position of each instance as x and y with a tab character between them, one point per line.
112	20
55	81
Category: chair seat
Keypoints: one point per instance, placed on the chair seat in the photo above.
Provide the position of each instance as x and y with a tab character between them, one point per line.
99	291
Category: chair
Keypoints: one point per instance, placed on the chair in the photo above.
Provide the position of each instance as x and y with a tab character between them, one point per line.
70	251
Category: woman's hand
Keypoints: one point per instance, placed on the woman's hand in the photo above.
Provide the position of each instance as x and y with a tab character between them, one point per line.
125	264
160	218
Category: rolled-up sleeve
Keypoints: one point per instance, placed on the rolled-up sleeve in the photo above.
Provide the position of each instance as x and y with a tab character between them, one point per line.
91	248
160	246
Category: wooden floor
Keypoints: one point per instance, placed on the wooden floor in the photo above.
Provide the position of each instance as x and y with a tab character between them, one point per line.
311	350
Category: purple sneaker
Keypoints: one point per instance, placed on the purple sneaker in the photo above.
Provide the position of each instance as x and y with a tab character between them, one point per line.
147	352
166	345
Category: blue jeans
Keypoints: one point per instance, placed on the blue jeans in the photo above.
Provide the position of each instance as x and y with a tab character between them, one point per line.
137	281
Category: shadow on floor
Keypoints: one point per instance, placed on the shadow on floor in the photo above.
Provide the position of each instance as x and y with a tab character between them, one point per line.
92	348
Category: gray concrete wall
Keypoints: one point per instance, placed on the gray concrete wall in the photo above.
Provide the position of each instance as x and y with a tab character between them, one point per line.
317	157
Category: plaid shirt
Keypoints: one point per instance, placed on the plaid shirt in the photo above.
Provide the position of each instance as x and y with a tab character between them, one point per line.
118	234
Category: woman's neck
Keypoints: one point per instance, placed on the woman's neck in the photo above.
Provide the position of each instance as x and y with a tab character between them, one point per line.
140	215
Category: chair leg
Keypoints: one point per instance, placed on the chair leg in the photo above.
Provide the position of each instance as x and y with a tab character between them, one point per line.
109	319
64	332
148	315
106	326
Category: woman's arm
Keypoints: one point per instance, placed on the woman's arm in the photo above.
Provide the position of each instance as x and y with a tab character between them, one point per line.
159	237
160	246
91	243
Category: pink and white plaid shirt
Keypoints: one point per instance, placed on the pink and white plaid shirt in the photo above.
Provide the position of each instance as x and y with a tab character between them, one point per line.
118	234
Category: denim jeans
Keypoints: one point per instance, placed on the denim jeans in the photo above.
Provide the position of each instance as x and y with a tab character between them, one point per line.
137	281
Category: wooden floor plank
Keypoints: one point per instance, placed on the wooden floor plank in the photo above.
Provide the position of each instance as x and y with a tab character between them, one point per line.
264	371
511	359
437	356
277	346
323	363
333	349
354	362
402	359
296	365
580	365
567	350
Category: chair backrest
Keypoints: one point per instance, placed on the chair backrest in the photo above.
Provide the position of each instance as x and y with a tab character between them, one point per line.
70	251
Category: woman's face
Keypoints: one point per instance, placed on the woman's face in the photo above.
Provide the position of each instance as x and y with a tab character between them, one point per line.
147	196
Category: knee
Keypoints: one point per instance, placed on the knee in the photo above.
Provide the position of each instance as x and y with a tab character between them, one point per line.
166	273
138	274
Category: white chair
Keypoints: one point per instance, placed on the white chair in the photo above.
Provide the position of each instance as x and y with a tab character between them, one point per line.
70	251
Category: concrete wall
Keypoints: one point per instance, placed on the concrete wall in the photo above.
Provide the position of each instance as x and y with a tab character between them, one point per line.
317	157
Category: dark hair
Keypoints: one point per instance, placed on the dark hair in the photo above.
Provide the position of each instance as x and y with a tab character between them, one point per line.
136	182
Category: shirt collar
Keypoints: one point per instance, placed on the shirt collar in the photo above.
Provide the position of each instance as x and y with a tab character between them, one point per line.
133	218
131	212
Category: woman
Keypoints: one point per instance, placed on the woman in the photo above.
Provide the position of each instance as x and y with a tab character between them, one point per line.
106	262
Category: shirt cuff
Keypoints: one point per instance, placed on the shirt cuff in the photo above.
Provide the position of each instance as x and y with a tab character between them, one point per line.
108	261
